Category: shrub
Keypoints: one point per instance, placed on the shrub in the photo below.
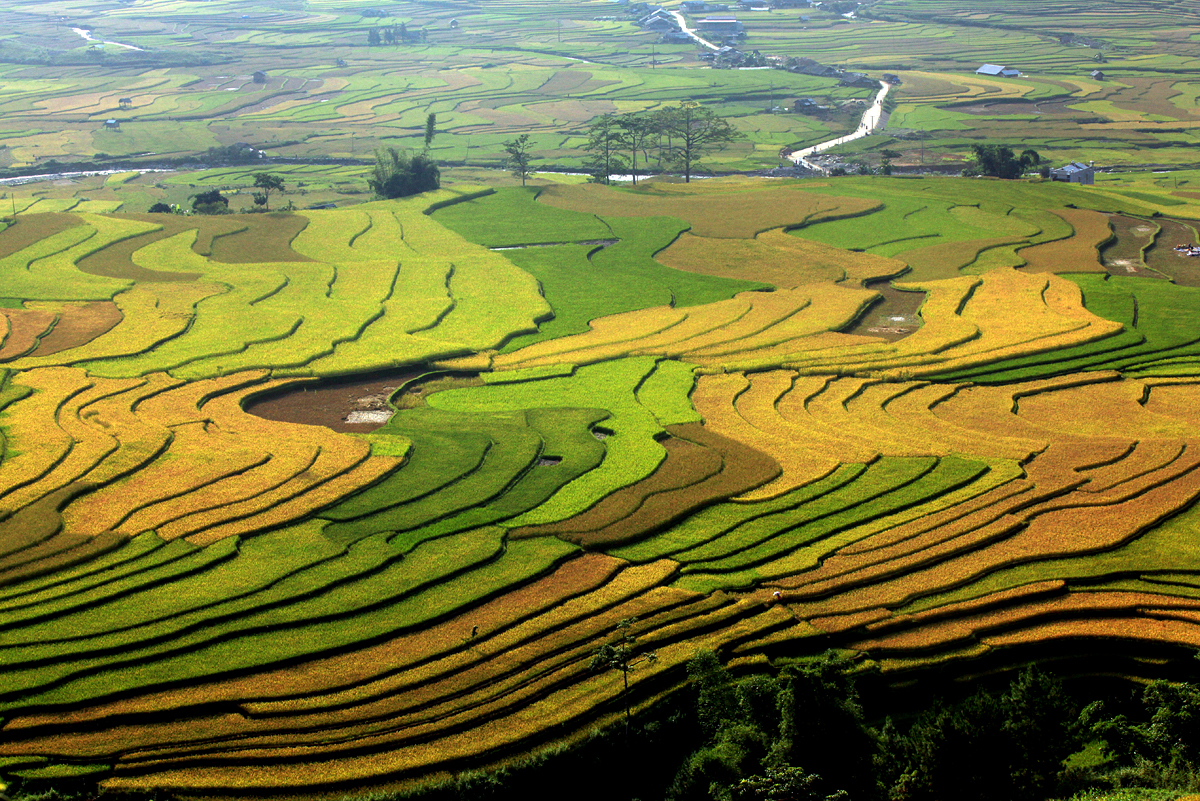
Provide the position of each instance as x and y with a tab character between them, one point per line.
211	202
397	174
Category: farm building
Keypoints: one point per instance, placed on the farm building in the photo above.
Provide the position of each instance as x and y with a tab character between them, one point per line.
857	79
658	20
1076	173
1097	75
997	70
808	105
112	125
806	66
694	6
259	77
675	37
891	77
719	25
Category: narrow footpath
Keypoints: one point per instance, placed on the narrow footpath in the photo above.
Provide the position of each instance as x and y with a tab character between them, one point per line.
870	122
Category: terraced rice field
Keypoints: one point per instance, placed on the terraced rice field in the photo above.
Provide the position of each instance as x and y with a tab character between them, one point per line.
604	404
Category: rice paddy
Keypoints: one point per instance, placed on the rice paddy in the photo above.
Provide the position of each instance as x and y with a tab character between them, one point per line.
642	406
932	421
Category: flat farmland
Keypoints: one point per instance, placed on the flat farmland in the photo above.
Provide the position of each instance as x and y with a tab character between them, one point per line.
510	69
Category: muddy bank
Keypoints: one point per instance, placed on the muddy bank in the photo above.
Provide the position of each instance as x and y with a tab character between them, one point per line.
353	404
892	317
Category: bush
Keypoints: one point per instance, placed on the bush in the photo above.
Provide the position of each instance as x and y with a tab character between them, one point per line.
211	202
397	174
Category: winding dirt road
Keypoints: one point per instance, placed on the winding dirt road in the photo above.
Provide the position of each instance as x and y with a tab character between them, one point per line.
870	122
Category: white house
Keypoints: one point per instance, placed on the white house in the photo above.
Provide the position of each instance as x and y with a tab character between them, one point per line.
1076	173
997	71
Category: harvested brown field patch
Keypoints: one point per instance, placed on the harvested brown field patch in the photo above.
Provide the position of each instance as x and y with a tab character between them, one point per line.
1183	268
1077	253
686	464
233	239
24	328
329	403
1151	96
566	81
1122	255
261	238
78	324
708	206
32	228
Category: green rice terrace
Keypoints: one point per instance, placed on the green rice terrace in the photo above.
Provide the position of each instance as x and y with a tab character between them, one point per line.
347	495
227	567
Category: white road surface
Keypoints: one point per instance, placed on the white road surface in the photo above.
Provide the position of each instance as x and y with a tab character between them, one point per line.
869	123
86	34
690	32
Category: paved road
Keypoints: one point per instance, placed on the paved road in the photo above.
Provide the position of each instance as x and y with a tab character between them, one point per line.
690	32
870	121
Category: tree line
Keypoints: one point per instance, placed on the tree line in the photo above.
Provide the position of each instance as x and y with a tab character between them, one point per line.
672	139
802	735
394	35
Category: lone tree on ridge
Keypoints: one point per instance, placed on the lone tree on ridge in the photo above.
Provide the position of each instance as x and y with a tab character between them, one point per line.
268	183
620	655
519	157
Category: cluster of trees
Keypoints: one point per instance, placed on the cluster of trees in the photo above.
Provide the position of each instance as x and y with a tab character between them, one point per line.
1160	748
999	161
799	735
213	202
399	174
394	35
802	736
673	138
